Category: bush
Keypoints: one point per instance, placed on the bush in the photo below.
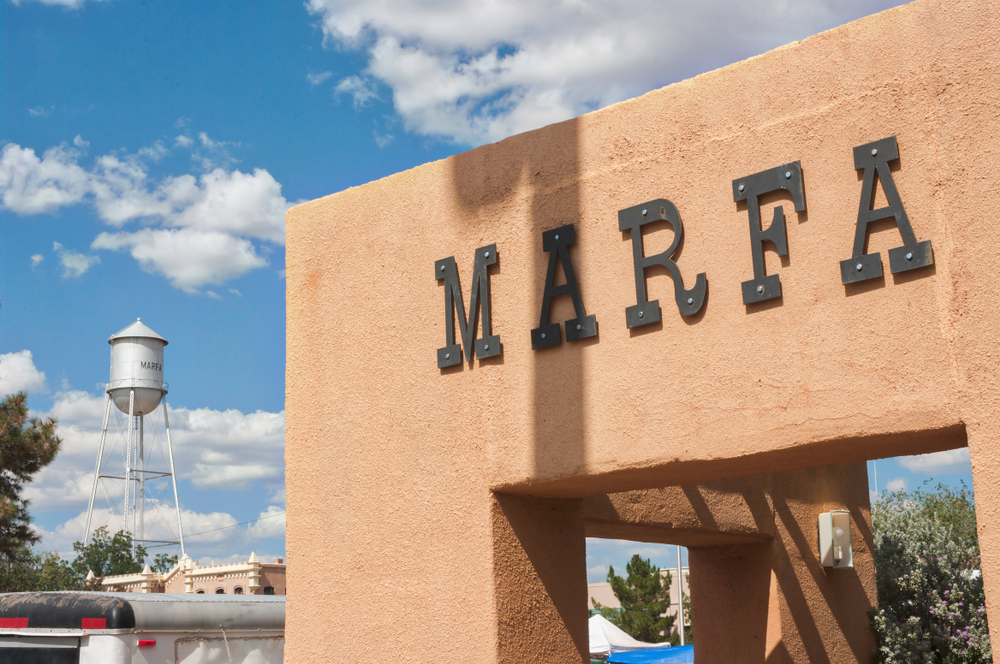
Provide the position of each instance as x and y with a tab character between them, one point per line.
932	607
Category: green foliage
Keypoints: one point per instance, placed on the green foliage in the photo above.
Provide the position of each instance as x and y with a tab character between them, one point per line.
25	570
931	598
162	562
644	596
26	446
107	555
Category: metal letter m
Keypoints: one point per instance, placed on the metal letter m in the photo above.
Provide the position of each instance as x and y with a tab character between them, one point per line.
479	304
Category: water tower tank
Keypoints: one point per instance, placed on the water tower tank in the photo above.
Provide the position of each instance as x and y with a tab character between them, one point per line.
137	363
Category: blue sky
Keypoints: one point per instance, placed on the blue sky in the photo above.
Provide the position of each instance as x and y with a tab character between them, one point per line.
150	149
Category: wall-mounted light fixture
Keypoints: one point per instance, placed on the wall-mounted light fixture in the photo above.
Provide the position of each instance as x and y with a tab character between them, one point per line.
834	535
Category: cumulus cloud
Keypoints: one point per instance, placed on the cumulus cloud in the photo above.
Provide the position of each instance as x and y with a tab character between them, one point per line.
316	79
949	461
270	523
277	496
212	448
29	185
599	571
474	72
18	373
205	533
189	258
231	449
362	90
218	449
206	153
197	230
68	4
36	260
74	263
898	484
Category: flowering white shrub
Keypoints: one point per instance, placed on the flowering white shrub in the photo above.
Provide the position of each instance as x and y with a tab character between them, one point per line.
930	592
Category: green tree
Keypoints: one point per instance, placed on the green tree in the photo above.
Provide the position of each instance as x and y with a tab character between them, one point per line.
107	555
162	562
26	570
26	446
930	591
644	596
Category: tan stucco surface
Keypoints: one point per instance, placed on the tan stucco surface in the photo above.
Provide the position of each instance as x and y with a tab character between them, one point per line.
392	464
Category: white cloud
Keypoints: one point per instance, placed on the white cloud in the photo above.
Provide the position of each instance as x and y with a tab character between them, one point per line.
474	72
29	185
218	449
68	4
189	258
211	155
82	144
204	532
213	295
212	448
949	461
154	152
383	140
898	484
270	523
597	571
233	449
362	90
36	260
198	230
40	111
18	372
74	263
316	79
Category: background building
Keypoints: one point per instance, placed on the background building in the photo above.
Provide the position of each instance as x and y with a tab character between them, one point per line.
187	576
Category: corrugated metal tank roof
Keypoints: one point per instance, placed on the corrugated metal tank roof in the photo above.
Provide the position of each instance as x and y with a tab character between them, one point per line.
136	329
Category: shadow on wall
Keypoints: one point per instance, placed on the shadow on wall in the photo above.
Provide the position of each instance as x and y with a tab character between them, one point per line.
758	591
539	544
487	181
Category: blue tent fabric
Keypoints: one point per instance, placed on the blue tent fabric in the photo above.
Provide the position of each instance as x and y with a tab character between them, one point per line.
654	656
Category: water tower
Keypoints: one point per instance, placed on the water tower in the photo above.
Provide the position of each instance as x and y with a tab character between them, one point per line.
137	392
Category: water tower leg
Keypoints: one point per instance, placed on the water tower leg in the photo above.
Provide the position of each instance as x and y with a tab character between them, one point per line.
128	468
173	477
141	458
97	468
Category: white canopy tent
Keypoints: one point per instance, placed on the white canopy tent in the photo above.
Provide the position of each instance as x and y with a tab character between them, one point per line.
606	638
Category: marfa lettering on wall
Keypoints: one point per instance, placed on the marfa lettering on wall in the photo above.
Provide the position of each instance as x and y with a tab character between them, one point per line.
873	158
152	366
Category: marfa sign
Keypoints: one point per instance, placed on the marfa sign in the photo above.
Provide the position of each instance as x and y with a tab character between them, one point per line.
873	158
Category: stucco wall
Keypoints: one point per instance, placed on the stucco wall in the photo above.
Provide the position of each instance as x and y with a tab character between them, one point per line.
392	463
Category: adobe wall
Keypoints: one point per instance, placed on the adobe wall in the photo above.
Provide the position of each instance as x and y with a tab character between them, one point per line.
445	480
